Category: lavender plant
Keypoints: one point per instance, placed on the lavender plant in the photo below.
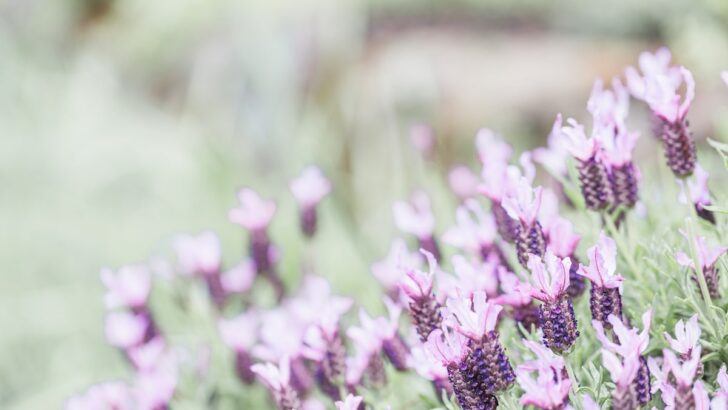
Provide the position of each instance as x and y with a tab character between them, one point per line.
499	319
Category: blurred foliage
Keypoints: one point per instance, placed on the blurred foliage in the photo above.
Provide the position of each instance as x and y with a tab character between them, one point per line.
125	122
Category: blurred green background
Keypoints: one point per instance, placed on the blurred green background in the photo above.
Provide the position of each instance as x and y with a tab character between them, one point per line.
124	122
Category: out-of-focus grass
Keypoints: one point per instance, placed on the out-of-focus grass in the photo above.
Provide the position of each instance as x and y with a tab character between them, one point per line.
122	126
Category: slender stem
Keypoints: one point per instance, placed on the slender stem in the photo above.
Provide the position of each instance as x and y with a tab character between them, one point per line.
702	284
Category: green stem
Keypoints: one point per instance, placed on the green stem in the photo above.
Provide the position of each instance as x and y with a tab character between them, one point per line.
625	251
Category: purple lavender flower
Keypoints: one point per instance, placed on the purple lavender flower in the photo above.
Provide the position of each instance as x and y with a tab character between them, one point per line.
625	362
516	297
416	218
351	402
278	380
451	348
129	287
523	205
255	214
485	367
474	232
389	271
550	389
593	173
698	192
309	189
201	255
499	180
241	334
606	297
423	307
556	313
324	345
562	241
707	259
658	87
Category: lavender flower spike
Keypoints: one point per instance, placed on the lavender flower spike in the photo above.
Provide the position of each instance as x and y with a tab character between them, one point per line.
277	379
485	366
451	349
309	189
240	334
524	205
593	174
707	259
556	313
697	189
423	307
562	241
550	389
606	297
661	94
630	373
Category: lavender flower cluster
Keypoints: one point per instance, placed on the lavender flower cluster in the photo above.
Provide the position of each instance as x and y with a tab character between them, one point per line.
515	267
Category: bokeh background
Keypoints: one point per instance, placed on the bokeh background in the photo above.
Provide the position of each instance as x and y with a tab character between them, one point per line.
124	122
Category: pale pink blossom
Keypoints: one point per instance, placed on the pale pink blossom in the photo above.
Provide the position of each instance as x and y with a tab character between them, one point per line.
415	217
389	271
620	150
463	181
697	187
281	334
548	391
254	213
128	287
554	156
155	387
623	371
548	212
609	108
545	359
687	336
700	395
473	228
108	395
417	284
664	99
276	377
240	277
310	187
149	354
241	332
315	299
470	276
722	381
426	364
381	328
706	256
562	240
524	203
576	141
514	292
125	329
724	76
351	402
320	336
685	371
631	341
602	263
199	254
473	318
491	148
550	276
652	65
588	403
446	345
499	180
